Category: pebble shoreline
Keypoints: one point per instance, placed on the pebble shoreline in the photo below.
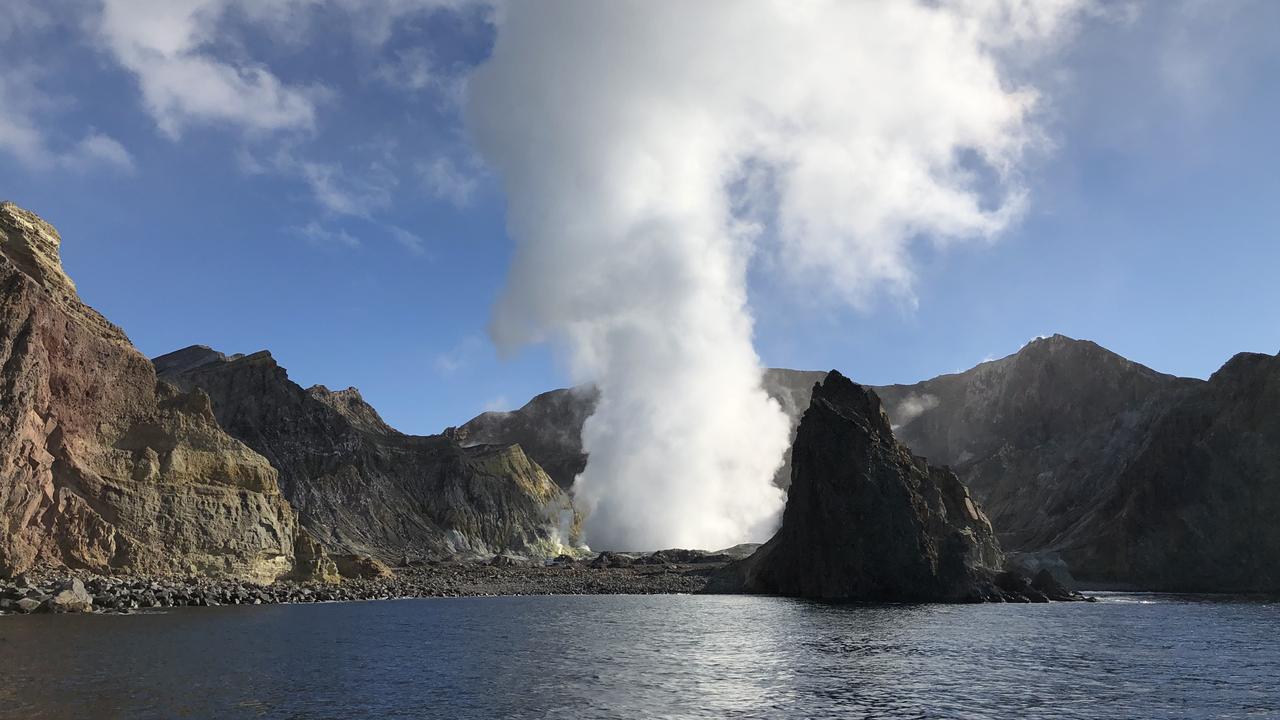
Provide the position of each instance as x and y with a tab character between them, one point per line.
662	572
53	591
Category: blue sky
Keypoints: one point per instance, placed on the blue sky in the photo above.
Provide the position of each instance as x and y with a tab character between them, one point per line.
365	245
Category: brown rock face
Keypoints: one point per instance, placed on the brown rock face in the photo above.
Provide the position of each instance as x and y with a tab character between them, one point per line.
361	487
865	519
101	467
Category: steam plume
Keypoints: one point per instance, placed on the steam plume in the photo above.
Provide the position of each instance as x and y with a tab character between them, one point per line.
641	144
913	407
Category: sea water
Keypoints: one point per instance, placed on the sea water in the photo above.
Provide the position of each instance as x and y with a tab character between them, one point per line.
1127	656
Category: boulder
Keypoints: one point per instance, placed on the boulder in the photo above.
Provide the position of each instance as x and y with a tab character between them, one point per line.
610	560
361	566
1016	587
72	597
1047	583
311	562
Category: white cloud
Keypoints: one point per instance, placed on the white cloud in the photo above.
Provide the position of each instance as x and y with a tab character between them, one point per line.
161	42
24	127
23	17
411	242
444	180
340	190
374	20
1204	47
193	70
347	193
458	357
410	69
98	149
320	236
626	148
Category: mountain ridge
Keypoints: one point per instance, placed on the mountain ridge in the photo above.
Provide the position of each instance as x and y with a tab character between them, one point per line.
1049	439
362	487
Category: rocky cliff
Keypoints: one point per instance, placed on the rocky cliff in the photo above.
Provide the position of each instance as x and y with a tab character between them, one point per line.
1194	507
867	520
362	487
101	466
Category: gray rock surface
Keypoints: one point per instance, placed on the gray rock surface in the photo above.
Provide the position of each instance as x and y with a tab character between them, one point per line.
362	488
1038	436
867	520
1126	476
1195	506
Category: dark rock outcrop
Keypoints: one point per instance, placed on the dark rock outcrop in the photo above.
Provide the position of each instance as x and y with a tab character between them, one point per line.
867	520
1050	586
101	466
361	487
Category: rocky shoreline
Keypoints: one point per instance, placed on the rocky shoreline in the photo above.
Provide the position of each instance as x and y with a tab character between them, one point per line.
58	592
661	573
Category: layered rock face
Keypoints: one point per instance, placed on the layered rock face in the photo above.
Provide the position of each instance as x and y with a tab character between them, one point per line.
362	487
101	466
867	520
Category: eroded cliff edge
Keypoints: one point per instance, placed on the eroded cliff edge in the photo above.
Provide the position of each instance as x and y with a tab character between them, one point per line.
102	467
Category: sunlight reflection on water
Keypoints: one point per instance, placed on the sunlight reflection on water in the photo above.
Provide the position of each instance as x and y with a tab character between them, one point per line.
658	656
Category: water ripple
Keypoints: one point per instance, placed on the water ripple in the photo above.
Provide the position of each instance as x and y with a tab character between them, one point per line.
1129	656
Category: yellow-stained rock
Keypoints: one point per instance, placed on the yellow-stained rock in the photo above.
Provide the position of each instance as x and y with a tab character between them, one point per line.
101	466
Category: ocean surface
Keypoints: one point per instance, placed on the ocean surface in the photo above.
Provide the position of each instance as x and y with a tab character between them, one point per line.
1128	656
